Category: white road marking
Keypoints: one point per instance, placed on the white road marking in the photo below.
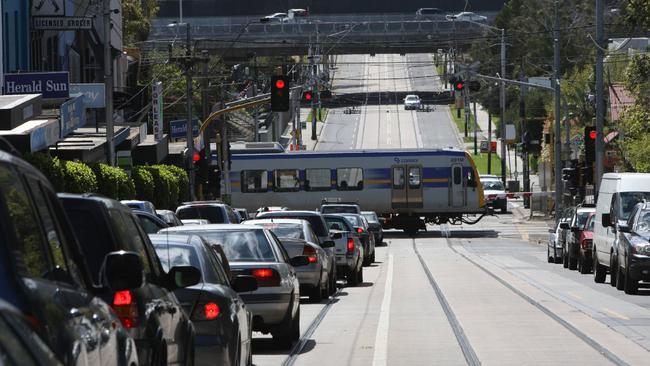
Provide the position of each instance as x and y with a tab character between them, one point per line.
380	357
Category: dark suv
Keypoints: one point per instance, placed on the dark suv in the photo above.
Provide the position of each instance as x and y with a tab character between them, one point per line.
216	212
43	273
152	313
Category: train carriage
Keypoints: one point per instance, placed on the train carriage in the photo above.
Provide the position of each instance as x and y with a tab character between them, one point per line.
408	187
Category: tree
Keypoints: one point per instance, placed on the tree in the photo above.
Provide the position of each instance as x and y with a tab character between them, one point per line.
634	119
636	13
137	16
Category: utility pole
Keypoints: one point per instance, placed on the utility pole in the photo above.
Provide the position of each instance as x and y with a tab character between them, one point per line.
600	110
558	129
256	114
502	100
189	136
205	111
524	135
489	162
312	81
466	108
108	81
475	128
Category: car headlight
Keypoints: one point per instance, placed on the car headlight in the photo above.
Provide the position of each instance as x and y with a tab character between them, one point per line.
641	248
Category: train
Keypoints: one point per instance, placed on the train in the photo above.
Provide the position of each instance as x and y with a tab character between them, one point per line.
408	187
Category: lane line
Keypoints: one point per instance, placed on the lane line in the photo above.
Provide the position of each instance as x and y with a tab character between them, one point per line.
615	314
380	356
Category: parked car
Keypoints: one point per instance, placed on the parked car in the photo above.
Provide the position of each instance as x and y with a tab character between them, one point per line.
340	207
19	343
412	101
295	14
221	320
618	193
169	217
429	13
632	250
215	212
572	243
374	226
348	249
44	275
151	312
585	261
554	247
467	16
150	223
243	214
361	226
318	279
495	192
253	250
140	205
275	18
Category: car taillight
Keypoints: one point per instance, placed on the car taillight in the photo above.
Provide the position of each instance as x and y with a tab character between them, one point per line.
125	308
310	253
360	230
266	277
586	244
350	245
206	311
492	197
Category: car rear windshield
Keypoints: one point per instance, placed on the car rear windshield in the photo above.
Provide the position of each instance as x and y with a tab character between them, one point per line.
492	185
338	223
240	245
286	230
213	214
582	219
354	220
92	232
339	209
371	217
172	255
316	221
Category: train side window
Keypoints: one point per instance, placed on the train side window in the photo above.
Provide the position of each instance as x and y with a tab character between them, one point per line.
254	181
317	179
398	177
414	177
287	180
471	180
457	175
349	179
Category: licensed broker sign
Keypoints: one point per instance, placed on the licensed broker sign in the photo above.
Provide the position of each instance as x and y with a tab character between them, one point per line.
62	23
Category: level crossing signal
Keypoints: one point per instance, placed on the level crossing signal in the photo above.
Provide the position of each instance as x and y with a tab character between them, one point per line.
590	143
279	93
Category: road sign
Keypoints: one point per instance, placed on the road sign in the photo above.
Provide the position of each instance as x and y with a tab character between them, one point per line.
178	128
62	23
157	107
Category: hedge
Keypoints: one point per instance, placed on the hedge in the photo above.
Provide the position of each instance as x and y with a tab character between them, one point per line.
79	178
165	186
52	168
113	182
183	182
144	183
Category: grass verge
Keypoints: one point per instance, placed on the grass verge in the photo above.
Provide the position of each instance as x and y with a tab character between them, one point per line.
322	115
481	161
460	122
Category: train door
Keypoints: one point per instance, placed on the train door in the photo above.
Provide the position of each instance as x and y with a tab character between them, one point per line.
457	186
406	186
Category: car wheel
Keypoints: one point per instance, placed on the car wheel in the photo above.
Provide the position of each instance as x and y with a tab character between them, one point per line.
600	272
548	255
316	293
620	278
631	286
573	262
613	264
584	266
360	276
236	357
332	286
285	333
353	278
504	208
326	289
565	259
372	258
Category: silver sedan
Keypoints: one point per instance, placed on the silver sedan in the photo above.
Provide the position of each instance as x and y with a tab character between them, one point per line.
253	250
312	277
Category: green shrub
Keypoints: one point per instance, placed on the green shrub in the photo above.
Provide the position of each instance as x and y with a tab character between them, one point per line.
165	187
79	178
183	182
52	168
113	182
144	183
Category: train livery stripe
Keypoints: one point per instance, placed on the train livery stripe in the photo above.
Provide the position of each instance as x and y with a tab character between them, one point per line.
396	155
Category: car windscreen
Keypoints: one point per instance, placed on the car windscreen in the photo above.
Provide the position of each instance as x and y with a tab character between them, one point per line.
492	185
582	219
643	222
213	214
338	209
627	201
355	221
240	245
338	223
285	230
172	255
92	233
371	217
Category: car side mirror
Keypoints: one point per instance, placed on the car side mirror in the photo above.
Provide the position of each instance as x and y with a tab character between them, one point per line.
336	236
327	244
299	261
624	228
606	220
564	225
122	270
184	276
243	283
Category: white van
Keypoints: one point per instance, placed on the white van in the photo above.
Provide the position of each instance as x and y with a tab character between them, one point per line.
618	194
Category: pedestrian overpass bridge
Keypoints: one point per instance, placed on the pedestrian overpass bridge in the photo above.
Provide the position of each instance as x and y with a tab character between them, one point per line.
334	34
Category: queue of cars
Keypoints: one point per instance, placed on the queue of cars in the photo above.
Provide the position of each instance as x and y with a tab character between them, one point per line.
611	237
131	285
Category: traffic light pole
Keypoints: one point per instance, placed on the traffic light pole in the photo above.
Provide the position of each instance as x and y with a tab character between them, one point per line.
313	93
190	139
489	162
502	100
475	133
600	110
557	129
108	80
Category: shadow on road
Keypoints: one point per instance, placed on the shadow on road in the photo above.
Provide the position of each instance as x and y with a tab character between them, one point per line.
440	234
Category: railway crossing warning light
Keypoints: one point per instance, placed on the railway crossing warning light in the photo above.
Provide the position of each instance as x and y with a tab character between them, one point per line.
459	84
590	143
307	96
279	93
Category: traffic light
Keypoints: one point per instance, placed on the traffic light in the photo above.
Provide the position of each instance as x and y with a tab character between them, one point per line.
279	93
307	96
459	84
590	144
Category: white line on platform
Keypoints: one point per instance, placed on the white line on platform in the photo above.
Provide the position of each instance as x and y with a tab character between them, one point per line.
380	358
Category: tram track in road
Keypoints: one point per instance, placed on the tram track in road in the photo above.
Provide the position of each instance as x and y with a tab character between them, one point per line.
602	350
399	124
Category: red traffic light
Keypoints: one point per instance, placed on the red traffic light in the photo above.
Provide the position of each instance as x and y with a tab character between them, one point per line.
592	135
279	84
460	85
307	96
196	157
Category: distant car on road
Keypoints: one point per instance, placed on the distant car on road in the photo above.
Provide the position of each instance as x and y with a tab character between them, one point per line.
572	242
495	193
275	18
585	260
348	248
150	223
169	217
412	101
216	212
632	250
429	13
140	205
374	225
467	16
554	247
